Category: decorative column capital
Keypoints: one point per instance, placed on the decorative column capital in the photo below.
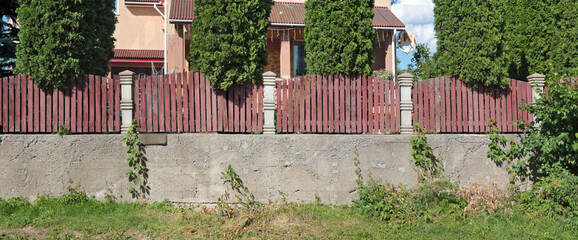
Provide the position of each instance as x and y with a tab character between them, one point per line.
537	80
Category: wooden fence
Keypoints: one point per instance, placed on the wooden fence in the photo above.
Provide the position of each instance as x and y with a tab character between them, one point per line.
447	105
92	105
338	104
185	102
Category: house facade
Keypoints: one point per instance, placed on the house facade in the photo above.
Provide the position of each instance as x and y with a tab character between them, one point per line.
143	45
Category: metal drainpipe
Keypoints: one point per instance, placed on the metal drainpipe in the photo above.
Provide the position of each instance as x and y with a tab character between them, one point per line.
393	44
165	32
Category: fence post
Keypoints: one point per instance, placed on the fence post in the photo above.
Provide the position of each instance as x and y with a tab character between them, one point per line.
406	104
269	105
126	102
537	81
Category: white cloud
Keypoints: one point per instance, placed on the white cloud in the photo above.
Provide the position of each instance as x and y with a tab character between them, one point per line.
418	17
424	33
414	11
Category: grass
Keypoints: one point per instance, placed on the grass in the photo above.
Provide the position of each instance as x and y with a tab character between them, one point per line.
87	218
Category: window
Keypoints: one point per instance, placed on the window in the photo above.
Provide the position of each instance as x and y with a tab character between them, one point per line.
299	66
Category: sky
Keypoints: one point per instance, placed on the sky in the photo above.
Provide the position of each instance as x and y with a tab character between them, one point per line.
418	17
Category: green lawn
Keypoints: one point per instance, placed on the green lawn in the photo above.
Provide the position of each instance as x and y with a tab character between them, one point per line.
75	216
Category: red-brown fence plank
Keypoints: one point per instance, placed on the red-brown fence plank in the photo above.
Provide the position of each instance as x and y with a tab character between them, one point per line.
148	99
390	108
214	110
324	106
308	107
198	108
352	103
173	102
192	101
242	108
10	93
117	103
49	109
153	104
42	111
487	107
529	100
17	103
30	112
460	99
231	112
97	104
179	93
90	104
103	104
448	105
3	104
24	104
137	101
509	107
437	102
426	102
186	107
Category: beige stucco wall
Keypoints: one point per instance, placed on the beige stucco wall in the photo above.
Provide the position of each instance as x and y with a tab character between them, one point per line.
139	28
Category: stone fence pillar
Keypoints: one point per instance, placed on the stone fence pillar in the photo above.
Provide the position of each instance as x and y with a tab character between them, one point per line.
537	81
126	101
269	105
406	104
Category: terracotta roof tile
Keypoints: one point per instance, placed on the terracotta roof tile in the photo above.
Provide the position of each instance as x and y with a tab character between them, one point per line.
140	1
282	13
138	54
181	11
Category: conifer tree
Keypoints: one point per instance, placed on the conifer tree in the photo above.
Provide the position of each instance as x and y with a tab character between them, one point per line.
63	39
339	38
470	41
229	40
8	36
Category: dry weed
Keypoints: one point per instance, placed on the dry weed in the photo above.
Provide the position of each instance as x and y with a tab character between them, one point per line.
485	197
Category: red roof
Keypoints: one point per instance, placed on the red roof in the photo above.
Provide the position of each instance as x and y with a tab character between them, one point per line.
182	11
137	55
140	1
282	14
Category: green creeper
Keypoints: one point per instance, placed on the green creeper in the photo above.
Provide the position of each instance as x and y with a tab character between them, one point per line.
470	41
339	38
63	39
229	40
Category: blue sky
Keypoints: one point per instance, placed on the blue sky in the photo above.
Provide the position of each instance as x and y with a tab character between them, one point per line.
417	15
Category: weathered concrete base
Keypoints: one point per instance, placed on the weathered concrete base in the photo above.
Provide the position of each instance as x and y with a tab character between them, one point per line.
189	167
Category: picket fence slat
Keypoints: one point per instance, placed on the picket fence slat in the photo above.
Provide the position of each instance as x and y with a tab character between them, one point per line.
29	109
337	104
446	104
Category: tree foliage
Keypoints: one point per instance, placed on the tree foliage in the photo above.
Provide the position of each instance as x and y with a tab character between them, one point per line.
339	37
63	39
551	148
8	36
483	42
229	43
541	36
422	65
470	41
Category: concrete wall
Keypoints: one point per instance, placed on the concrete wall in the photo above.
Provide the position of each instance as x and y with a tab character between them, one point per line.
188	168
